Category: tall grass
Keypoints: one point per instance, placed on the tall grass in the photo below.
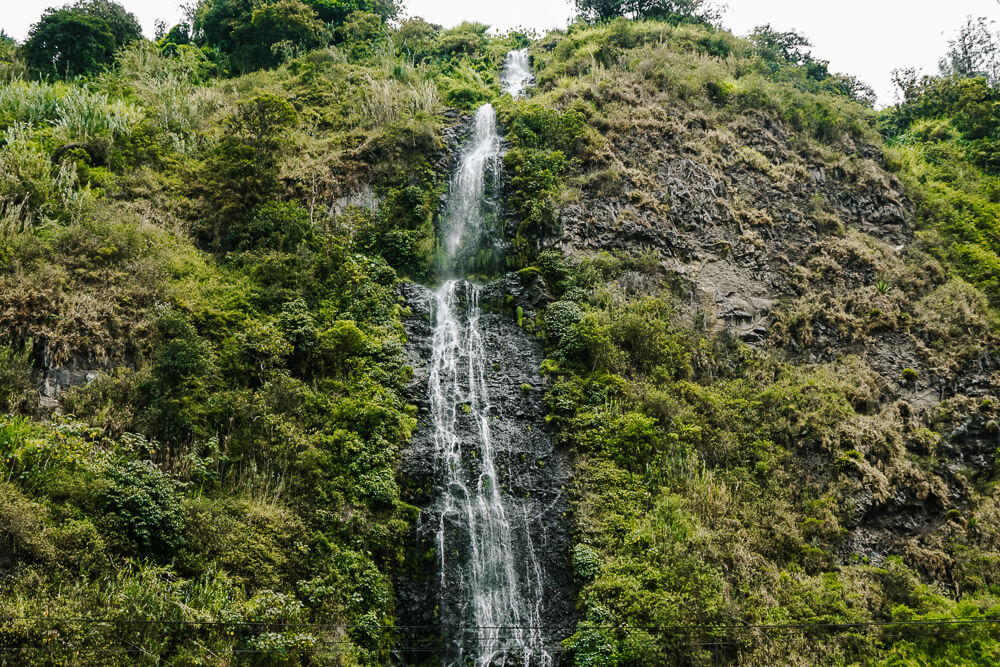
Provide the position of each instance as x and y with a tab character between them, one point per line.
74	111
84	115
168	89
32	102
386	100
29	187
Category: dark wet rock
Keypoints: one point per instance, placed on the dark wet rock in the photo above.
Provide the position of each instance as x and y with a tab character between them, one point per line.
533	474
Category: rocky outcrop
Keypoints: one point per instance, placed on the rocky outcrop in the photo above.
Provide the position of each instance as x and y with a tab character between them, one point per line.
732	222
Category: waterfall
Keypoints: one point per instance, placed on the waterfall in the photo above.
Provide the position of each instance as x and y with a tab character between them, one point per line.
468	213
516	75
502	598
489	533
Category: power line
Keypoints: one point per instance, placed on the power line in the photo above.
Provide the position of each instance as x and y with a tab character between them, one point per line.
465	628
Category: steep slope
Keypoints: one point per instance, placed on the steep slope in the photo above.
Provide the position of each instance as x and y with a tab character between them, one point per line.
782	408
198	274
776	391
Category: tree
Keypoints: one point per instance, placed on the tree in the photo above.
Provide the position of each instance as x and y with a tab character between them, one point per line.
67	43
262	121
290	23
672	11
336	11
243	171
975	51
122	24
11	62
79	39
251	34
787	55
416	37
781	47
854	88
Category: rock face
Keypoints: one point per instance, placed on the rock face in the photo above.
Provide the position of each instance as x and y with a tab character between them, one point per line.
55	381
757	222
731	221
433	594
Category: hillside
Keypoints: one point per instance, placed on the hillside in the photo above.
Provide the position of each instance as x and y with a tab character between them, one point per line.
756	319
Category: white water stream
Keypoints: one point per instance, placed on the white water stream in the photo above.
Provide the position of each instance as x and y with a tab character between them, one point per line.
500	587
516	75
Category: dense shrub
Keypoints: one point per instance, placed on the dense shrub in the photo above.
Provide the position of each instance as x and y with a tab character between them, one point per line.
143	502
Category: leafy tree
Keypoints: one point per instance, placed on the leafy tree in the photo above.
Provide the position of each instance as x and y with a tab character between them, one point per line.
67	43
179	34
182	368
416	37
673	11
781	47
975	51
250	34
279	226
79	39
182	355
336	11
11	63
855	88
218	23
243	170
361	29
261	121
122	24
787	55
286	21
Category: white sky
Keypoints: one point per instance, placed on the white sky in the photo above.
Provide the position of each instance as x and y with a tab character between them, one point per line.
867	38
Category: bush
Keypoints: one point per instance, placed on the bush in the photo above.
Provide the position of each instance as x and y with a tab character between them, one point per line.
278	226
17	383
586	562
559	325
144	505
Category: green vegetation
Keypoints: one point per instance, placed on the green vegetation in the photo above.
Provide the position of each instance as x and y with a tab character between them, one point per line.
215	223
231	472
718	488
944	139
672	11
79	39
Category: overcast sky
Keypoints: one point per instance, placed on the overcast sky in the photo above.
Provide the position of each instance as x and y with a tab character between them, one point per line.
867	38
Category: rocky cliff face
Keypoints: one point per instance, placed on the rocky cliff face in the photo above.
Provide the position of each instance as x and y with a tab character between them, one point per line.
533	475
732	209
811	253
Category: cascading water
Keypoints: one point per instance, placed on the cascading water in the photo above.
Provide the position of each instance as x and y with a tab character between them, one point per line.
467	217
476	521
493	503
516	75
